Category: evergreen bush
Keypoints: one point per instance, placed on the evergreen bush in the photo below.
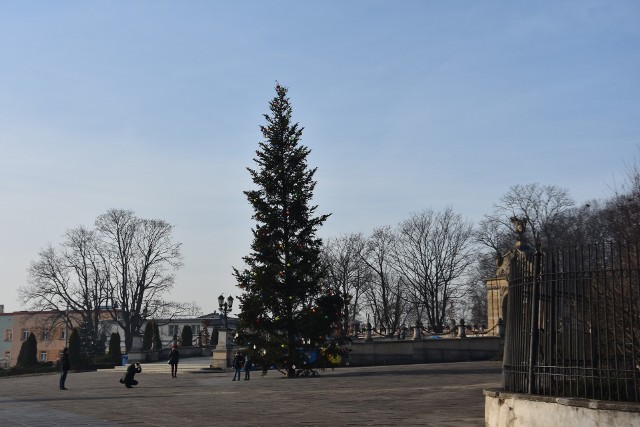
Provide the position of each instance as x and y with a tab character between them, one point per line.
147	338
187	336
156	336
115	354
92	343
75	351
28	356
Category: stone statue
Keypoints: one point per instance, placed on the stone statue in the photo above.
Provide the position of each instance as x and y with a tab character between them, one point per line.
520	227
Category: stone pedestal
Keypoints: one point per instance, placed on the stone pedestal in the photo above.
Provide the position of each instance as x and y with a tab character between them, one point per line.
500	328
222	354
462	330
368	337
417	332
136	354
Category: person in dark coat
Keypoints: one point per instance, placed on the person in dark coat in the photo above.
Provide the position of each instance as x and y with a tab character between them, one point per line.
247	368
174	357
129	377
65	365
237	365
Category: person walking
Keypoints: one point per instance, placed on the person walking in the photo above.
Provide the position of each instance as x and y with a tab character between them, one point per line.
247	368
237	366
64	367
174	357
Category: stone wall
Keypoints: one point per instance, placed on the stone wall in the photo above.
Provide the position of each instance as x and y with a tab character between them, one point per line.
397	352
515	410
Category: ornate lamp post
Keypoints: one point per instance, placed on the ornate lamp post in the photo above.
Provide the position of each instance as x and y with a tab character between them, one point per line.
221	355
225	308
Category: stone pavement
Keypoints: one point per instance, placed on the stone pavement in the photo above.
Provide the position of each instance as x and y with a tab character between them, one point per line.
408	395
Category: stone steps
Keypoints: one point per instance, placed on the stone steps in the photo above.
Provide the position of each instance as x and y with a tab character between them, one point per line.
166	368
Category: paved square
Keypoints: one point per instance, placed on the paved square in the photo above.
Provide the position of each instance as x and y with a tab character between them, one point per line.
428	394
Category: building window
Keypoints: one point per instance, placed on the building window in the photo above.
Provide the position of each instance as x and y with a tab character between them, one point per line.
63	334
43	356
6	359
173	330
195	329
8	335
25	334
44	335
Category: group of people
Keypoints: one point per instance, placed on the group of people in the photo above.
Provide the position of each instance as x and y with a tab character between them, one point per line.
239	362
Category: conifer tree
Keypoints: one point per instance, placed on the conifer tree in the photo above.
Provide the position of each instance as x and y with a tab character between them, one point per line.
284	306
114	348
156	335
147	338
187	336
28	356
76	358
92	342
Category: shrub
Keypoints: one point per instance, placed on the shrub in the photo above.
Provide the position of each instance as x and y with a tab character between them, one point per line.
38	369
156	335
115	354
103	362
28	356
187	336
147	338
75	352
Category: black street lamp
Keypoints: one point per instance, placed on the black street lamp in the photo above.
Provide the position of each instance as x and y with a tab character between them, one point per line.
225	307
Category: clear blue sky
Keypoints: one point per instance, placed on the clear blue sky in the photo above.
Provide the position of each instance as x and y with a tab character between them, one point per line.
154	106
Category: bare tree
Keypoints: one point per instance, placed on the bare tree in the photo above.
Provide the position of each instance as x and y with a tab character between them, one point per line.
167	311
433	258
493	233
68	281
544	208
386	297
475	304
346	270
622	210
139	259
123	267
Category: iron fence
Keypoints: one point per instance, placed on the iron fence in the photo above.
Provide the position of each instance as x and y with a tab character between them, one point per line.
573	323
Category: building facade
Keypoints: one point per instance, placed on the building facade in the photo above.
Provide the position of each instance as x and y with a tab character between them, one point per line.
171	329
51	336
6	329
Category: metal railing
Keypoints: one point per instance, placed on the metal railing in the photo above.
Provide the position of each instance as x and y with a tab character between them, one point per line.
573	323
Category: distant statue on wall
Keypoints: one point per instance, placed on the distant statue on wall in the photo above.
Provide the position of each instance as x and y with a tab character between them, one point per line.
520	227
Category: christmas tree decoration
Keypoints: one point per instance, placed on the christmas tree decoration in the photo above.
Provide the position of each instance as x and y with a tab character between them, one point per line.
282	274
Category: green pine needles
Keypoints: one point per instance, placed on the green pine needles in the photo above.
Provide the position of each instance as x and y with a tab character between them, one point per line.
287	313
115	353
28	356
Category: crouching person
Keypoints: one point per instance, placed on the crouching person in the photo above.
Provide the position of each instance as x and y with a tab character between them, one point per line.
129	377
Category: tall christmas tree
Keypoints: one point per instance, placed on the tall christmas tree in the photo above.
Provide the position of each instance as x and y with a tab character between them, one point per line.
285	309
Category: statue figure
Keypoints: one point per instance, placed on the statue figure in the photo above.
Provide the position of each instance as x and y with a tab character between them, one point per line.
520	227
